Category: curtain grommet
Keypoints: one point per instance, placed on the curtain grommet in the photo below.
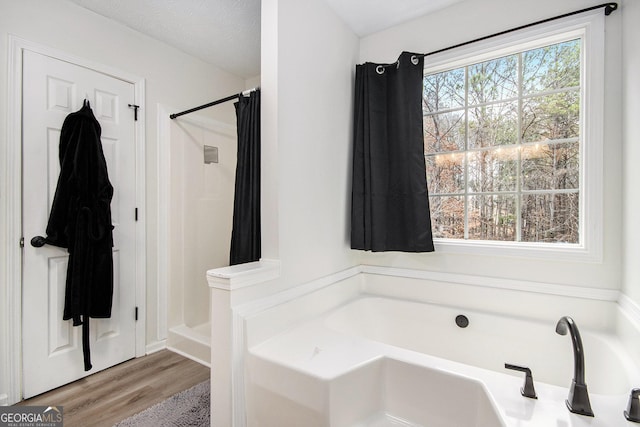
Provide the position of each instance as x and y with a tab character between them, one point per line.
415	60
380	69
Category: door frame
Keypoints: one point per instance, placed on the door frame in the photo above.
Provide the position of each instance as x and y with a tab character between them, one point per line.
11	306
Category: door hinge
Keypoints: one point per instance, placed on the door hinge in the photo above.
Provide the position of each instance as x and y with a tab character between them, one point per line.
136	214
22	242
135	111
136	314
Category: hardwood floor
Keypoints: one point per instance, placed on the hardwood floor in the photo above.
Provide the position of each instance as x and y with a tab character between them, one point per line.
107	397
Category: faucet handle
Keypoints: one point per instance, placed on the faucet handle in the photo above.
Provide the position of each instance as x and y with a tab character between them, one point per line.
528	390
633	409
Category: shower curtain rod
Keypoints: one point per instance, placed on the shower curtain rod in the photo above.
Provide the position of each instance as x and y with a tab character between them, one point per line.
608	9
211	104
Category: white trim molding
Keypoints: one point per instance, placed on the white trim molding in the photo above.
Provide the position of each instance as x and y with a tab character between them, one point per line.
164	179
598	294
11	303
156	346
630	307
238	391
11	186
139	85
243	275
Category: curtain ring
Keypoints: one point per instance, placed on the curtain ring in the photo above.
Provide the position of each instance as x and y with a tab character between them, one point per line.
398	64
414	60
380	69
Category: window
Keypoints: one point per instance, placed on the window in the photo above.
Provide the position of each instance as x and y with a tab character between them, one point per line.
512	146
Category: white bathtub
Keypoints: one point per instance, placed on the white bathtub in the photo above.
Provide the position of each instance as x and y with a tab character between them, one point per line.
305	373
489	341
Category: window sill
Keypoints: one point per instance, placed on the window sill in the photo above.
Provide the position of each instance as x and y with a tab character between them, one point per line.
548	251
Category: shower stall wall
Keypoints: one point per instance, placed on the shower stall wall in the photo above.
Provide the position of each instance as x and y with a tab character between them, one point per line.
203	162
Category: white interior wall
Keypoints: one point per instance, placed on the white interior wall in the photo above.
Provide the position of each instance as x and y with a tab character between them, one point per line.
308	58
472	19
172	78
631	147
252	82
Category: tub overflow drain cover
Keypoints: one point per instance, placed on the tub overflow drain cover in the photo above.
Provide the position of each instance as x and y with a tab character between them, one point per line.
462	321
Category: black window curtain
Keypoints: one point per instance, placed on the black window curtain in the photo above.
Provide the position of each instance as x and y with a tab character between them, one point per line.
245	235
390	203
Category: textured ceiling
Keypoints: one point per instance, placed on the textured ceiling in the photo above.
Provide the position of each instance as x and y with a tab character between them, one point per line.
226	33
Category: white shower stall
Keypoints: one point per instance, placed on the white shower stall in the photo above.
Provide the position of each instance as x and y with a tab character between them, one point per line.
202	163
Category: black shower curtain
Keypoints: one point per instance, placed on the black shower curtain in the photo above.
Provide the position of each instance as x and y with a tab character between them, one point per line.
390	203
245	235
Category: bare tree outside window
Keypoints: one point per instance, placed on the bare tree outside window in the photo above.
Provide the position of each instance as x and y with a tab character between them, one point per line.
502	147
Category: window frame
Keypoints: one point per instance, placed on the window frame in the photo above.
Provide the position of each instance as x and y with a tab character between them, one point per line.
589	27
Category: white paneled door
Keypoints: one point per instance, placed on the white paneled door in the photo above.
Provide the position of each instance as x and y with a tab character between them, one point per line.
52	348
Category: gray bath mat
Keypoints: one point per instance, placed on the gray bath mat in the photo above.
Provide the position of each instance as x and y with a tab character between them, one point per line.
189	408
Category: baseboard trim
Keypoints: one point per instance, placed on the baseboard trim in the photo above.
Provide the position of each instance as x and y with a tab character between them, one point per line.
156	346
189	356
188	333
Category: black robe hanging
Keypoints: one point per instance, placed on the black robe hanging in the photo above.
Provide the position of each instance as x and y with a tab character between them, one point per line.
80	221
